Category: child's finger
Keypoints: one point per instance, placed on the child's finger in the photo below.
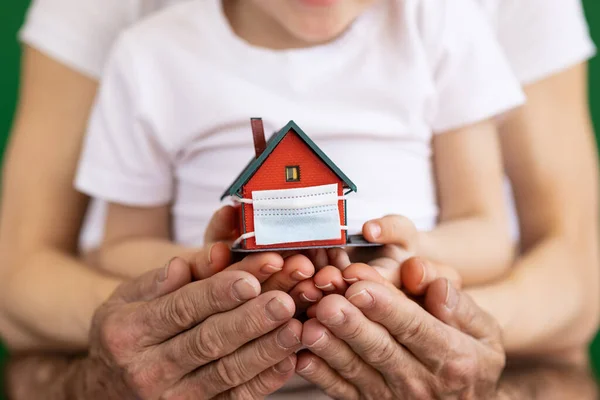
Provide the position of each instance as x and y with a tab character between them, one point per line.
262	265
417	274
209	260
330	280
362	272
389	269
338	258
222	226
318	257
311	312
391	229
296	268
305	294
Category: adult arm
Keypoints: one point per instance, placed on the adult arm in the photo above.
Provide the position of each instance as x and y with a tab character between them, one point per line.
41	213
550	301
163	336
550	157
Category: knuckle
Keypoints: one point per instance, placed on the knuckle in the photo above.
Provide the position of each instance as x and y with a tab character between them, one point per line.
142	380
250	325
381	354
262	386
417	389
412	330
208	344
179	311
460	372
353	369
230	371
115	340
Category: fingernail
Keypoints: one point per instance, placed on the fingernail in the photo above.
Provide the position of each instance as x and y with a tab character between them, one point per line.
320	339
306	367
299	276
270	269
362	299
286	338
306	298
350	280
244	290
284	366
210	258
164	274
451	296
329	287
277	310
424	267
337	319
375	230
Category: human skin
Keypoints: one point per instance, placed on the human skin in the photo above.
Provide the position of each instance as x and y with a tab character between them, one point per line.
117	365
164	335
548	304
41	216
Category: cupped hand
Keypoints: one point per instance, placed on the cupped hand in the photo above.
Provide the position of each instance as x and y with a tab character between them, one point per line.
377	342
164	336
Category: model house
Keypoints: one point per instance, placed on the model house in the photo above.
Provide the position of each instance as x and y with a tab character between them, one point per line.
290	195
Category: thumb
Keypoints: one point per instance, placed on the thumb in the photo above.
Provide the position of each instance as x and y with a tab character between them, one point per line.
391	229
154	284
222	226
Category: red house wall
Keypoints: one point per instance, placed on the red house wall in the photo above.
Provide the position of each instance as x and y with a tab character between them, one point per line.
291	151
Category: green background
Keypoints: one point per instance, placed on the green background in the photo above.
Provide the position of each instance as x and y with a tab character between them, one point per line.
11	17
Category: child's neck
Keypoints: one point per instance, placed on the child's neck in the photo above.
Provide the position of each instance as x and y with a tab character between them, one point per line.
259	29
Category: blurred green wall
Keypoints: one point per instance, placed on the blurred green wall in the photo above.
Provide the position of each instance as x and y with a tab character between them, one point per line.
11	16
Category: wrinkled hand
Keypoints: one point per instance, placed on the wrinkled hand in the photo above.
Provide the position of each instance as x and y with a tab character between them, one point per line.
377	343
164	336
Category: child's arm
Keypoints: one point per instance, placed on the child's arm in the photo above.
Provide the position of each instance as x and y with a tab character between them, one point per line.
135	239
472	234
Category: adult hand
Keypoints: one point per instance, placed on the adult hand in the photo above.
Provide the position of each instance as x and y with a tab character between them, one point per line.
377	343
164	336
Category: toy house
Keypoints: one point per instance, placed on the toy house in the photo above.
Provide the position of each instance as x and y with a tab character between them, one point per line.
291	195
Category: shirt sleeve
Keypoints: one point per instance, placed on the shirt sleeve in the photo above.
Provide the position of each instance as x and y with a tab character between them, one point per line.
472	77
543	37
78	33
122	160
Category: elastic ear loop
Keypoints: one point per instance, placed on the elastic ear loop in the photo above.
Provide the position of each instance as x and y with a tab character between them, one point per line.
252	234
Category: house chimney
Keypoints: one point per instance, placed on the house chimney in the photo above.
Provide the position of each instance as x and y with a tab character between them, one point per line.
258	132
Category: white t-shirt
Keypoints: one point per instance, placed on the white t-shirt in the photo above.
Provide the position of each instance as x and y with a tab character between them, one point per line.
539	37
171	120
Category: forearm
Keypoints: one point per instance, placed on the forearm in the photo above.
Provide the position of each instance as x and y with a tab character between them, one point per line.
547	382
545	304
132	257
467	245
48	301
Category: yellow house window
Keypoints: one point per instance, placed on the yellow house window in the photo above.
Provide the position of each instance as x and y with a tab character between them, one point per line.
292	173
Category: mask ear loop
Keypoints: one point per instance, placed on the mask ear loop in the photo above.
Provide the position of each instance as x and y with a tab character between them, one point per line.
242	238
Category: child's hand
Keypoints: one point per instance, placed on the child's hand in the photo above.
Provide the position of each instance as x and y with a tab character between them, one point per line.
290	274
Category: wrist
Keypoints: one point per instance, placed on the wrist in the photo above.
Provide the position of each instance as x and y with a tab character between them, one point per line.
57	377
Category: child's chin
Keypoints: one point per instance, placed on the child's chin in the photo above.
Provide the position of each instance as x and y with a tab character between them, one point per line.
318	32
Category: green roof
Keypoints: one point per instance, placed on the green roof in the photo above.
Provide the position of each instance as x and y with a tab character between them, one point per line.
255	163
